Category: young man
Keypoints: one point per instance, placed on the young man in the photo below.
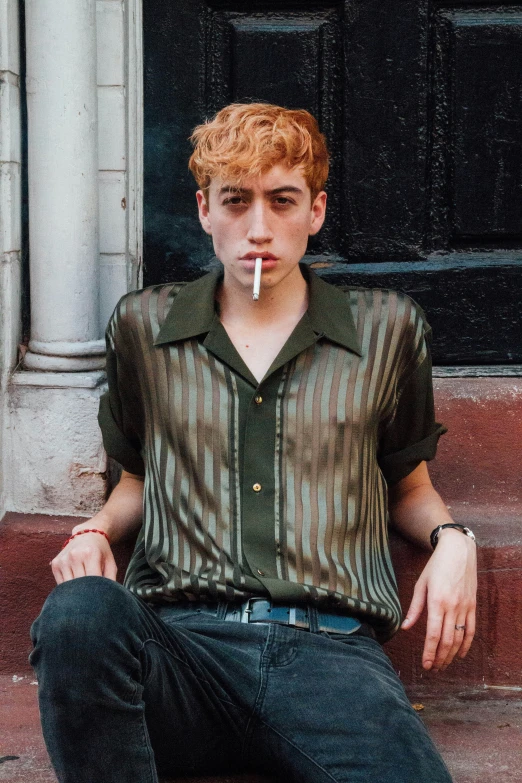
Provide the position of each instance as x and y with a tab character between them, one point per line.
263	444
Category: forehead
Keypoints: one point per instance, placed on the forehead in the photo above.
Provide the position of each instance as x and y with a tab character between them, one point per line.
279	177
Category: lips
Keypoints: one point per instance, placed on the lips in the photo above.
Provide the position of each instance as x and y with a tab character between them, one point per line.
249	262
264	256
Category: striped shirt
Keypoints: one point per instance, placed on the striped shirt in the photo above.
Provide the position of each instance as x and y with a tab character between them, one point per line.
277	488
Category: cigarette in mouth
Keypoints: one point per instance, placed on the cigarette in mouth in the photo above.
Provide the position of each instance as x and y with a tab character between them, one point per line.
257	279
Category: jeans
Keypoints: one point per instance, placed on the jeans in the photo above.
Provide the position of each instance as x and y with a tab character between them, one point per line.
128	691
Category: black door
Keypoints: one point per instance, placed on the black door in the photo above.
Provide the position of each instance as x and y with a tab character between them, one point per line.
421	105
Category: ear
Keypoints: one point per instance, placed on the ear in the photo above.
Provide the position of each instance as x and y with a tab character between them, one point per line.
203	211
318	213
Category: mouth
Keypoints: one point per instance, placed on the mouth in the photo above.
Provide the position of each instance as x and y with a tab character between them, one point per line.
249	260
264	255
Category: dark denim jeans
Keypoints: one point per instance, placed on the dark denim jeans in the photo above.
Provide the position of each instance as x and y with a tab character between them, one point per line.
128	692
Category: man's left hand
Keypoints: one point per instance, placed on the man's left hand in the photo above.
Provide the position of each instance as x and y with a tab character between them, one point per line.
448	585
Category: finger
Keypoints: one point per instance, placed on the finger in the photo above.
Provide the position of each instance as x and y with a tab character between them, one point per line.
110	569
446	641
57	573
469	635
69	564
65	573
76	560
417	605
433	633
93	565
458	636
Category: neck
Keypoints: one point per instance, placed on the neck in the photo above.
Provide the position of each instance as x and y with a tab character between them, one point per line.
287	301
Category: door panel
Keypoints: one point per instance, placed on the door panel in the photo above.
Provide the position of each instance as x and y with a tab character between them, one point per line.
294	57
480	83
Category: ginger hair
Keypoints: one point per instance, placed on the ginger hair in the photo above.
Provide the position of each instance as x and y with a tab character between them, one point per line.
247	139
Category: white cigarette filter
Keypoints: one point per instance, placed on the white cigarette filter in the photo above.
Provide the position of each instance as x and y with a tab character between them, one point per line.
257	279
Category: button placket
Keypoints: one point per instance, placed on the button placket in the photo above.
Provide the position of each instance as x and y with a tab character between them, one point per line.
259	480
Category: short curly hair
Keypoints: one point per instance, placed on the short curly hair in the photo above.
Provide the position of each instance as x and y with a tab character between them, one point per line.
247	139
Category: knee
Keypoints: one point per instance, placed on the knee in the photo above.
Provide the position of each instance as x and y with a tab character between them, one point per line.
88	607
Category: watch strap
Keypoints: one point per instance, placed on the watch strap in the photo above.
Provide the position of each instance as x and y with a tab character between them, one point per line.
434	536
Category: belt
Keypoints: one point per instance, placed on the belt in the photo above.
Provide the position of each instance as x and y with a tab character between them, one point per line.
260	610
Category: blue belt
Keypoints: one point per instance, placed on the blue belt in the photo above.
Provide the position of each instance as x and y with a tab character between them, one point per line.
260	610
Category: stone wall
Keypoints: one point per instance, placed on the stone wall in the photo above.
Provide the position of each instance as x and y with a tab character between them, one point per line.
85	241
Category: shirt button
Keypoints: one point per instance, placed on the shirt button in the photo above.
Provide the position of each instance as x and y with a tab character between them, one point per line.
258	399
257	487
261	573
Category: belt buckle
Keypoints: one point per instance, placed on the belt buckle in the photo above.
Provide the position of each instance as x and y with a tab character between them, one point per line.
246	611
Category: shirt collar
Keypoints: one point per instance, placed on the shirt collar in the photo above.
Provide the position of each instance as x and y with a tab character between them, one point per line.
193	310
330	312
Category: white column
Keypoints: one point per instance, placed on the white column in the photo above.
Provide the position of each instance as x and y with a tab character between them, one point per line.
63	186
10	221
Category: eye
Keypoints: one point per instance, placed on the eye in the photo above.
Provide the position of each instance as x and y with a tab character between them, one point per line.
233	201
283	201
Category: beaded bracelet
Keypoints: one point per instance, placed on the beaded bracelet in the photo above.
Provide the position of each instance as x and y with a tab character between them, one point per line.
91	530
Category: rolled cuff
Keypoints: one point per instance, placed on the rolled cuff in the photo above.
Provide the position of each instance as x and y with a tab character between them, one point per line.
400	464
115	442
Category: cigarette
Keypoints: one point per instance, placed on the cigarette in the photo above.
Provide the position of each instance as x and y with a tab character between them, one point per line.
257	279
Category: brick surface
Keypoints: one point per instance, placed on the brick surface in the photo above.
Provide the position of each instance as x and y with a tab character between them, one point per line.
111	128
110	42
10	199
113	212
113	282
478	459
10	138
9	37
494	657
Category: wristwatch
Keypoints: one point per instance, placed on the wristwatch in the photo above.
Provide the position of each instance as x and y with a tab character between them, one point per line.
434	537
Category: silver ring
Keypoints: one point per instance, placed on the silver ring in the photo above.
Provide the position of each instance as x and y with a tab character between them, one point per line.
460	627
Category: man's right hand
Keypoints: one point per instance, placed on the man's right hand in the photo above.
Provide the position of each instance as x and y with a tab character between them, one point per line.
90	554
87	555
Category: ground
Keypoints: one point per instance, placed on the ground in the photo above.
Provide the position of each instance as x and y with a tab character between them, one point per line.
478	732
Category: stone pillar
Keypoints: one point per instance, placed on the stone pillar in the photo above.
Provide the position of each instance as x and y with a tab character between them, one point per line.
63	186
51	431
10	214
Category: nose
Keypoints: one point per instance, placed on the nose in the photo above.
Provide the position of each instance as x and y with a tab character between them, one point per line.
259	230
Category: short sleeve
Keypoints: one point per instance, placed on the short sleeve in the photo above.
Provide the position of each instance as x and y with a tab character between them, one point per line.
412	435
119	415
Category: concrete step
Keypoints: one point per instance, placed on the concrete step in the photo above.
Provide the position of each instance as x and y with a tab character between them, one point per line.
28	542
480	737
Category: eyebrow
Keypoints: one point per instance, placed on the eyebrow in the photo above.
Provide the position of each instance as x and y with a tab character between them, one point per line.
273	192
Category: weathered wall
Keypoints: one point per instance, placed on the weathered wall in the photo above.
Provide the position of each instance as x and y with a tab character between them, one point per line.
477	470
119	144
56	460
51	459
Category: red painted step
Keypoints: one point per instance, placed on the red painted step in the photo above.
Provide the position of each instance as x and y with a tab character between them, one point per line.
477	471
28	542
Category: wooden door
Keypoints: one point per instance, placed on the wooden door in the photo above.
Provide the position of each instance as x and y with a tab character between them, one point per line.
421	105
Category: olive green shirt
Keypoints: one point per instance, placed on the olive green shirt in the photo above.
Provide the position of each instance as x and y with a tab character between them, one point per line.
276	488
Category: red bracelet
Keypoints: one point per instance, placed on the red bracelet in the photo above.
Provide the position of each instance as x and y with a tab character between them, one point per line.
91	530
